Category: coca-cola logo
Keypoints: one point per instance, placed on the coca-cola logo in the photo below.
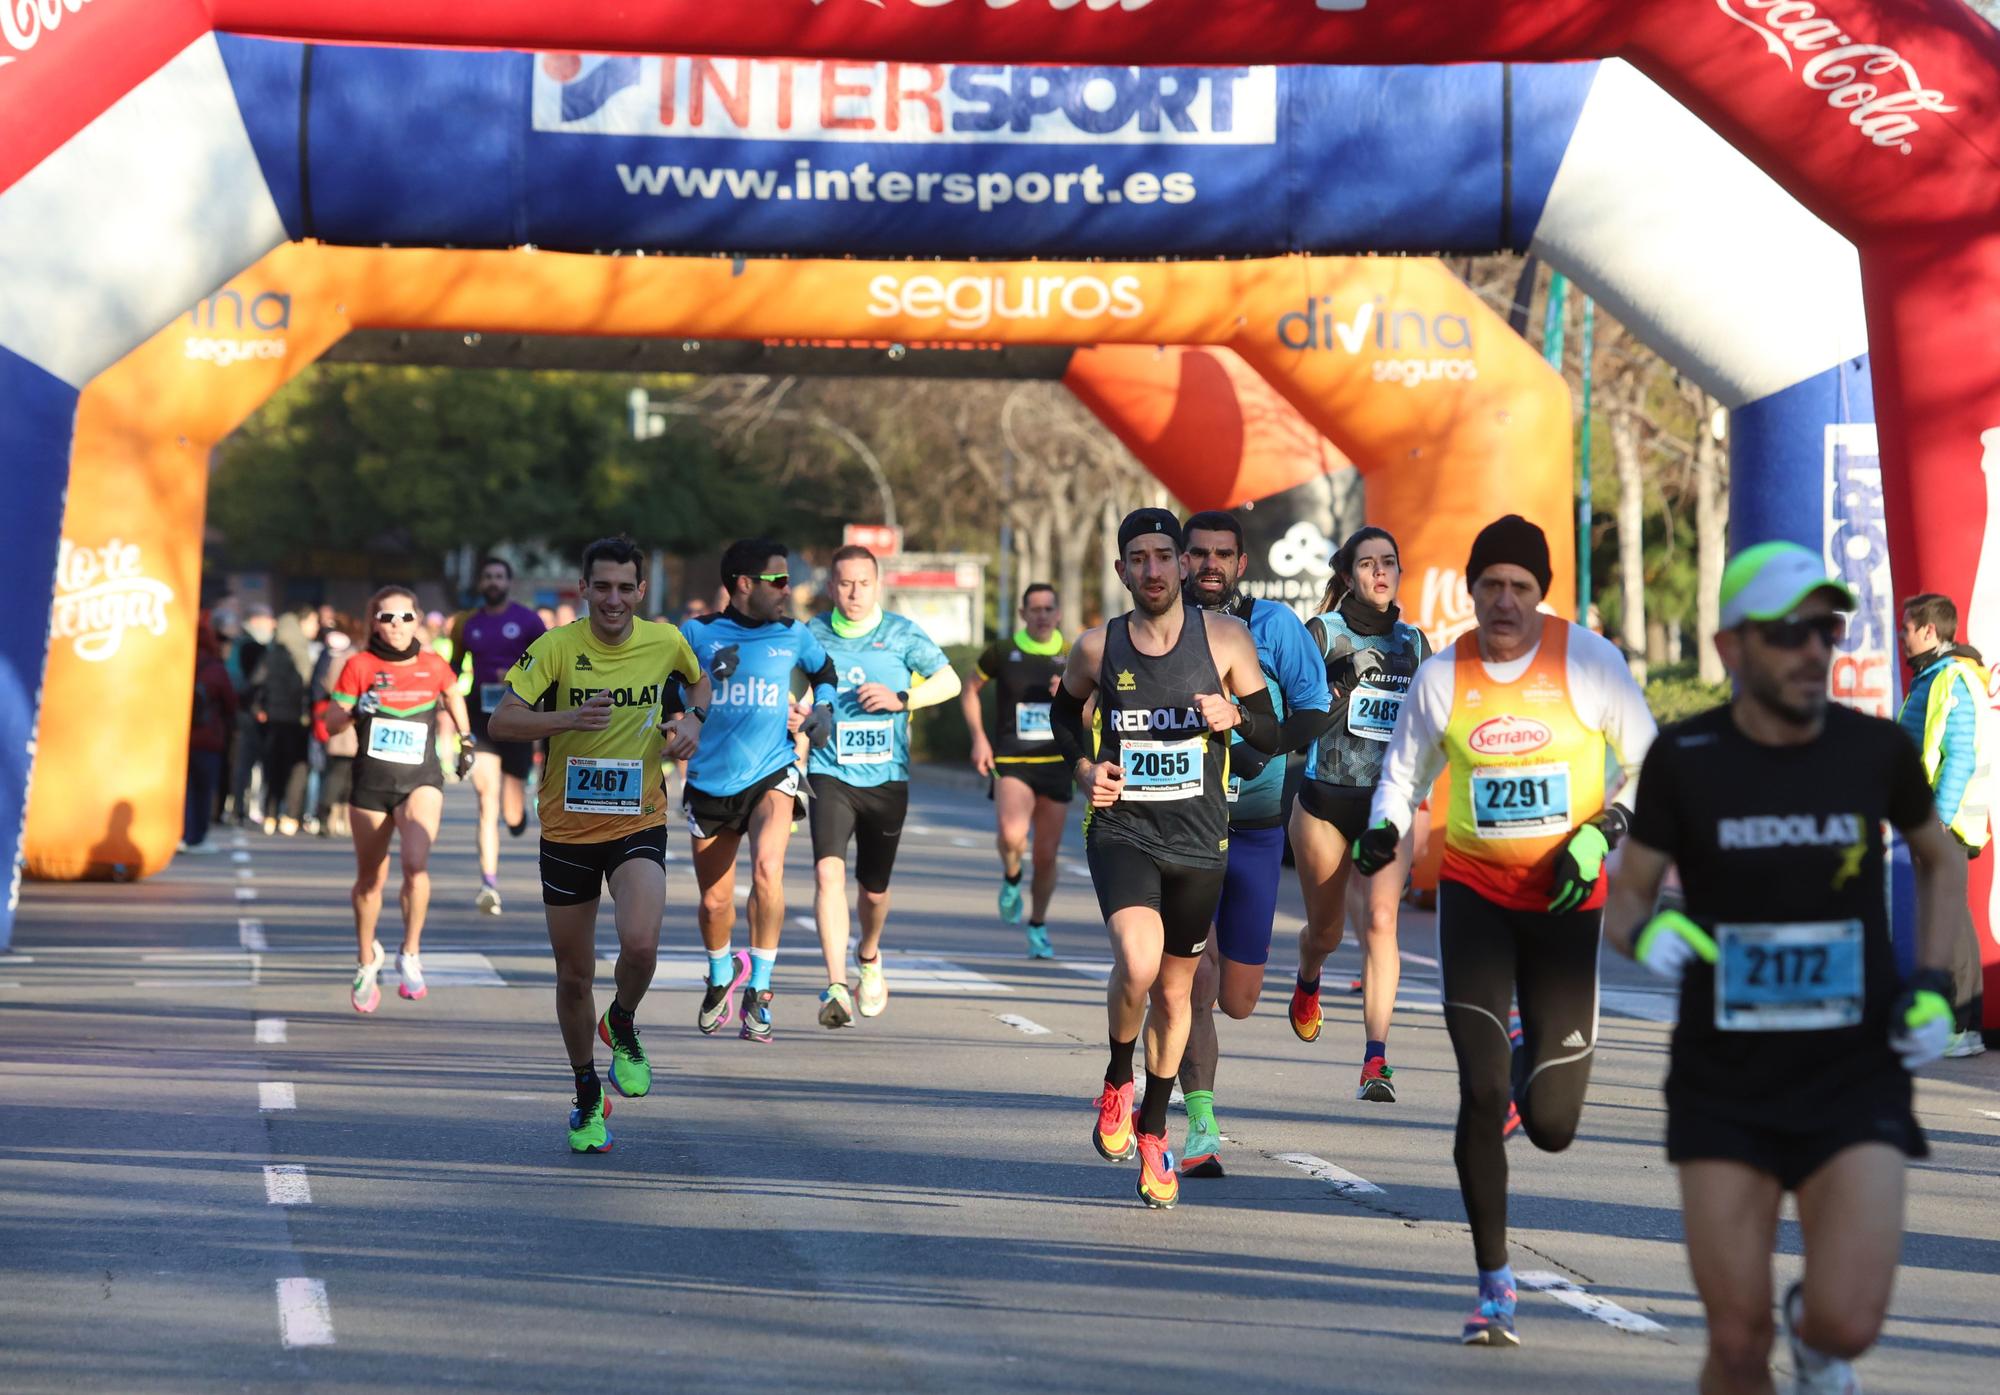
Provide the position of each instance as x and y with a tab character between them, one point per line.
1846	72
1058	5
1508	736
101	592
23	22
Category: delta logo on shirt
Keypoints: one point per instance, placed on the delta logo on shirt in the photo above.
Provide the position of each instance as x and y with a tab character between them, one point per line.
732	691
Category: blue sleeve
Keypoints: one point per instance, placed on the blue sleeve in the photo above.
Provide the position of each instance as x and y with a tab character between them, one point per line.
1301	670
817	665
1958	758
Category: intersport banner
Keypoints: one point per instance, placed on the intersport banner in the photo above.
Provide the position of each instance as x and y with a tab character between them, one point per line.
691	153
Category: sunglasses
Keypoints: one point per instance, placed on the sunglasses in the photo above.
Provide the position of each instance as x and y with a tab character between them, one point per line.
1793	631
778	579
390	617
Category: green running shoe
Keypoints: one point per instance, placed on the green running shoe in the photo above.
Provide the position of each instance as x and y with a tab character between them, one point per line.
1200	1158
1010	901
631	1072
588	1133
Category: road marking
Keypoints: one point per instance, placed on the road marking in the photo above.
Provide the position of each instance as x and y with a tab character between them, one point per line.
13	959
305	1318
252	963
1089	968
964	842
276	1094
1024	1025
1077	869
1989	1113
919	973
1339	1178
1589	1304
250	934
244	874
246	893
806	922
239	856
459	969
919	830
1648	1007
271	1031
287	1186
1423	959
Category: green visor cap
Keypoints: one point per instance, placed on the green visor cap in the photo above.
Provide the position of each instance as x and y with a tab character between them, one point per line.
1767	582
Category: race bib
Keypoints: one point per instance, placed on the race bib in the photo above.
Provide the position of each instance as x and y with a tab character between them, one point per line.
865	742
1157	771
399	743
1031	722
1801	977
1372	712
490	695
1520	801
604	786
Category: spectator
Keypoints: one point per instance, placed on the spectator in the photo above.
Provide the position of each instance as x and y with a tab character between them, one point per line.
1946	715
284	714
213	720
335	752
247	666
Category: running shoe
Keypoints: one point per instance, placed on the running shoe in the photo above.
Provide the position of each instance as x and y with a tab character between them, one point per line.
874	993
1010	901
487	902
1814	1373
756	1013
588	1131
1112	1134
1492	1323
1378	1082
1962	1044
1305	1014
1354	986
1159	1184
631	1072
367	994
410	969
717	1003
1199	1156
836	1008
1038	943
1511	1125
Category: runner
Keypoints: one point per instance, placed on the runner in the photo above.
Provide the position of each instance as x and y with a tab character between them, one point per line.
745	778
491	637
594	690
1232	968
1790	1065
888	667
1370	655
1157	835
1026	778
1523	710
389	693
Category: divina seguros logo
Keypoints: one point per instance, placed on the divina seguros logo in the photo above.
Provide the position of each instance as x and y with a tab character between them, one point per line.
23	22
974	302
227	313
1411	347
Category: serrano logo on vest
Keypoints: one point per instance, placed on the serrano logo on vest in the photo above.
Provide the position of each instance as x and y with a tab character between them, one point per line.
1508	736
101	592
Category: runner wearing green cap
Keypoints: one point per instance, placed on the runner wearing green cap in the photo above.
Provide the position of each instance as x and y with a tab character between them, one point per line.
1790	1065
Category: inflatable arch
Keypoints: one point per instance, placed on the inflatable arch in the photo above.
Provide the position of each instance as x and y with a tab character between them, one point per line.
1492	422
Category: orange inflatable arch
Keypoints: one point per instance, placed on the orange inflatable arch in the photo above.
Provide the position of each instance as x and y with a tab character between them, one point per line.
1452	418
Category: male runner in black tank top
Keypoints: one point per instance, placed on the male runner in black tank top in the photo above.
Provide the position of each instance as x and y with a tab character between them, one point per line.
1158	828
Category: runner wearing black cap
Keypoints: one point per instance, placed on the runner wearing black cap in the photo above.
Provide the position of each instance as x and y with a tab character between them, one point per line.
1155	776
1523	710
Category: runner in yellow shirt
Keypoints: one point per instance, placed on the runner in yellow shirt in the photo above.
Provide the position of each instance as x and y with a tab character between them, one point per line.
597	689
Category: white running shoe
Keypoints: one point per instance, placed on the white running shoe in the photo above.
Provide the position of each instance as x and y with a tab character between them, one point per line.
488	900
410	968
367	993
1813	1373
1963	1044
874	994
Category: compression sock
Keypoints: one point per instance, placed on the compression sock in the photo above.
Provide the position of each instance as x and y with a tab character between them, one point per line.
1309	986
621	1016
720	967
1497	1286
1013	879
1153	1109
1374	1049
1119	1072
761	961
588	1088
491	879
1201	1110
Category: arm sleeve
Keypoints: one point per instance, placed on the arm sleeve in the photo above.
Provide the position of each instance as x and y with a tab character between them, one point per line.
1416	748
534	673
1957	760
1066	722
1910	802
1258	725
1656	820
1302	727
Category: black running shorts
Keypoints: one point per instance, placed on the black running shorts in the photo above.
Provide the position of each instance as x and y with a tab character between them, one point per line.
871	817
1343	806
1876	1113
517	758
1049	779
711	814
1185	897
573	873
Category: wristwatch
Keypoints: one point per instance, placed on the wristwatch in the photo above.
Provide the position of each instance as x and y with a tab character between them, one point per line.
700	714
903	698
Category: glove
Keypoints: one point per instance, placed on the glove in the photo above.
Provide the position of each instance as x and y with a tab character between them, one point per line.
1670	942
1376	848
818	728
368	704
1920	1022
466	751
1246	762
1578	868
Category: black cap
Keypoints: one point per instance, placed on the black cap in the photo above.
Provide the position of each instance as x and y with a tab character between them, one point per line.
1510	539
1140	522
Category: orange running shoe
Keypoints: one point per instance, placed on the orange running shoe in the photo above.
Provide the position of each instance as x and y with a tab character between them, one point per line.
1378	1082
1112	1134
1305	1014
1159	1183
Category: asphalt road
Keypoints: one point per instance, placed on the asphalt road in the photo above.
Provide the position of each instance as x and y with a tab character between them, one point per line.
214	1175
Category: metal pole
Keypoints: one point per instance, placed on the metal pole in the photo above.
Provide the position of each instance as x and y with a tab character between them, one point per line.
1006	596
1583	504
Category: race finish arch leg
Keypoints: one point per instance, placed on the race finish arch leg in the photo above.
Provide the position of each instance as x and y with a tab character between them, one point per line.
121	662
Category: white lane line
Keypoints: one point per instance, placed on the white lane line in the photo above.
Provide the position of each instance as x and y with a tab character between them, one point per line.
1320	1170
287	1186
239	857
1423	959
250	934
1077	869
246	893
919	830
9	983
1089	968
806	922
459	969
1589	1304
1648	1007
964	842
305	1317
244	874
1989	1113
276	1094
13	959
1023	1025
270	1031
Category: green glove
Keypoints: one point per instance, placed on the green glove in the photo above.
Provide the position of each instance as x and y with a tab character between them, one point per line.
1578	868
1670	942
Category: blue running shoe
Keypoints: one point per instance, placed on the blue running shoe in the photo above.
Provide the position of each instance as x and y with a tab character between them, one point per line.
1492	1323
1038	943
1010	901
